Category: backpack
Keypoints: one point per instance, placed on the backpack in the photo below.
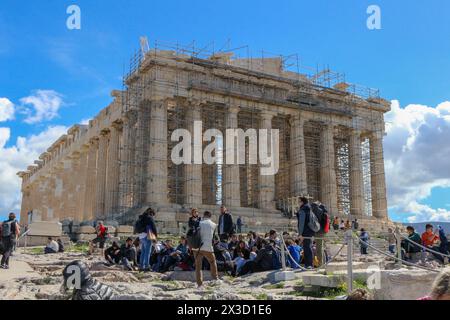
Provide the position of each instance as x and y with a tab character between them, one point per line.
313	222
276	258
6	228
193	238
320	211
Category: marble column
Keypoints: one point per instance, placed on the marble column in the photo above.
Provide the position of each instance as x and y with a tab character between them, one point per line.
356	175
99	211
231	182
158	154
378	179
266	182
299	185
127	166
193	172
328	182
81	183
91	174
112	188
140	156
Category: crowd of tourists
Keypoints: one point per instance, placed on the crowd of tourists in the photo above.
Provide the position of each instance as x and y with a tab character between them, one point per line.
221	247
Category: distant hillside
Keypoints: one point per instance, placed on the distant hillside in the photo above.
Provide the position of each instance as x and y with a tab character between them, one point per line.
420	226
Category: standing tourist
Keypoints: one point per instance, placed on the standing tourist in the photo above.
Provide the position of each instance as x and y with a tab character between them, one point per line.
225	223
101	231
305	232
239	224
364	237
194	219
207	228
146	228
10	232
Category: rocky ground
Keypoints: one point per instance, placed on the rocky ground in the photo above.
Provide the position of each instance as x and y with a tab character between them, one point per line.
43	281
37	276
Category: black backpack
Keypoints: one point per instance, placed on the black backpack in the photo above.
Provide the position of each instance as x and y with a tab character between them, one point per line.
193	238
320	211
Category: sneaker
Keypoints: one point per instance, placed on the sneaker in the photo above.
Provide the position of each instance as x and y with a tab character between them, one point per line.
217	282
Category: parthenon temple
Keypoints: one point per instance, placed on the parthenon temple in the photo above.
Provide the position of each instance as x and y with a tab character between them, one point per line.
330	149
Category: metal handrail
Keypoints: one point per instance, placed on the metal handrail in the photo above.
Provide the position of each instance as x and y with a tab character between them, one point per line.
396	258
423	247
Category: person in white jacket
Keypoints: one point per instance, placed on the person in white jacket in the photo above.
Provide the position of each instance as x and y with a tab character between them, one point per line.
207	228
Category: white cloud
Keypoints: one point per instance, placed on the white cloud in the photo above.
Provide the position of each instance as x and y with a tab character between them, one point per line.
17	158
85	121
42	105
417	153
6	110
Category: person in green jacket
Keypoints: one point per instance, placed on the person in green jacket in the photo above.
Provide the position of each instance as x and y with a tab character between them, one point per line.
408	247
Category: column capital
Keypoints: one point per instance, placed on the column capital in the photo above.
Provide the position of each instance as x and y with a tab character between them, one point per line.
117	125
297	119
268	114
104	132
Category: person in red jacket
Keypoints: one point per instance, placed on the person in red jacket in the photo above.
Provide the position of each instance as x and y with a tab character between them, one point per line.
429	238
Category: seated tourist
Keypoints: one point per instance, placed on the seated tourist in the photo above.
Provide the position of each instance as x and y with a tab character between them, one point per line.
431	240
60	245
264	260
241	250
137	245
251	236
273	235
112	254
253	253
296	252
51	247
168	256
128	255
409	249
223	258
232	244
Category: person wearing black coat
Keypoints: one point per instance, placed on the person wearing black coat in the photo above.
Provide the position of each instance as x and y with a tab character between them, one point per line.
194	219
89	288
305	231
226	227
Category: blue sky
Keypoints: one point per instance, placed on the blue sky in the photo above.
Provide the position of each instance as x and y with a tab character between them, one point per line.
408	59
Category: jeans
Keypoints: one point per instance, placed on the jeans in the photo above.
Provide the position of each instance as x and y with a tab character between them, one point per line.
146	249
392	248
307	253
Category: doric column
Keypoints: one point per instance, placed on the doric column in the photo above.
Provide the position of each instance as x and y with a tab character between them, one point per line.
378	180
58	205
127	153
99	212
328	183
157	164
81	184
193	172
266	182
356	175
140	148
112	189
231	182
71	169
299	185
91	175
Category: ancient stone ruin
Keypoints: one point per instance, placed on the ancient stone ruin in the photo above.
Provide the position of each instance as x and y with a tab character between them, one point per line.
330	145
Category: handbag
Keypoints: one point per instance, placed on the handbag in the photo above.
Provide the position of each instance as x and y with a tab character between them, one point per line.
151	236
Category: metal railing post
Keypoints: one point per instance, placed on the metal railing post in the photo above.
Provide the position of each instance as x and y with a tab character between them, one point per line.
349	238
283	256
399	247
